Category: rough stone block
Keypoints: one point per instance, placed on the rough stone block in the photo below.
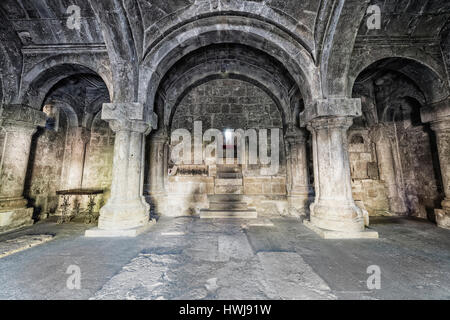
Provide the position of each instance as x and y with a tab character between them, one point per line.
328	234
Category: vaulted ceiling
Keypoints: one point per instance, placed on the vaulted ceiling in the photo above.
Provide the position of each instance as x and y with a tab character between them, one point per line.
325	28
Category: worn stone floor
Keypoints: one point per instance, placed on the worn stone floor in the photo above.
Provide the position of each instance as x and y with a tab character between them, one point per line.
189	258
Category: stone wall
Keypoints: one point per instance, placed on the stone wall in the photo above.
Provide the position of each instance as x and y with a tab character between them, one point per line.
228	104
45	166
99	155
366	184
415	169
2	140
418	169
231	104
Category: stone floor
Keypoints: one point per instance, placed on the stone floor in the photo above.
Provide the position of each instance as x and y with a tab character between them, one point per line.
189	258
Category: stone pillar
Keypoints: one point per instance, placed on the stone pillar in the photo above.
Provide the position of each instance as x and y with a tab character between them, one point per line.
442	131
20	122
438	115
383	136
297	170
334	214
79	138
158	162
126	212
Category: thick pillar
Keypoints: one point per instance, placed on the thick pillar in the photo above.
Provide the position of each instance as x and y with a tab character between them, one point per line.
20	123
438	116
333	214
79	138
126	212
297	170
383	136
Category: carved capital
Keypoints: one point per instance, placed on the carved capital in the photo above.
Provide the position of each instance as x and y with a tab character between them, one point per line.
129	117
340	123
438	112
381	132
160	136
295	135
133	125
13	117
441	126
333	107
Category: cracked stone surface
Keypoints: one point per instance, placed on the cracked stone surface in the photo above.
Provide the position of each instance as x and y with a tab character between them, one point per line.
188	258
22	243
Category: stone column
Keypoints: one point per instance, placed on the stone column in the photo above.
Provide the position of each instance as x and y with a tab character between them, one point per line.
438	115
126	211
442	130
334	214
20	122
297	170
383	136
79	138
158	162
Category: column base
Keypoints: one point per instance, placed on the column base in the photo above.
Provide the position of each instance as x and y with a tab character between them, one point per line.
443	217
12	219
132	232
336	216
298	204
114	216
330	234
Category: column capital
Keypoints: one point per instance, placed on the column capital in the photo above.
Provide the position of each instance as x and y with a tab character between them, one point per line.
332	107
295	134
15	117
331	122
441	125
380	131
437	114
160	136
130	116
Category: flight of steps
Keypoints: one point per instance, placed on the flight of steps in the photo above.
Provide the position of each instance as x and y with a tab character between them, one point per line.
228	200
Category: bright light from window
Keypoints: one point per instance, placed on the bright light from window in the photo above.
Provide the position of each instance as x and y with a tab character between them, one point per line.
228	136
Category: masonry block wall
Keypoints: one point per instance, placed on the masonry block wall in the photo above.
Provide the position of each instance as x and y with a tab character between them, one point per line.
99	157
368	189
231	104
45	167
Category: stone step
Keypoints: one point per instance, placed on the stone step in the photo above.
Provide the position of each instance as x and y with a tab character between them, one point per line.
228	214
225	197
232	205
228	182
229	175
223	168
229	189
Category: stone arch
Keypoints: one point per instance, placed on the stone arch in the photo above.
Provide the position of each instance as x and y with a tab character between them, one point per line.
38	81
226	30
70	114
392	112
424	71
279	101
254	10
216	62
